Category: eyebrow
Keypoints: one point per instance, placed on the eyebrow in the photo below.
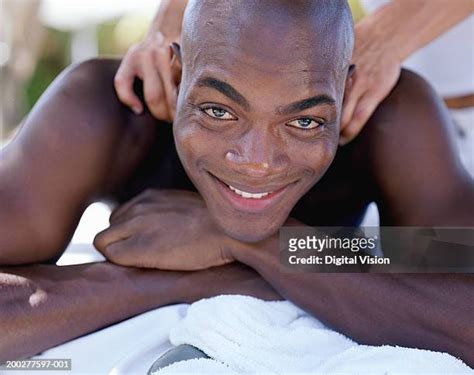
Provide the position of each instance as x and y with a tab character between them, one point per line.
225	89
305	104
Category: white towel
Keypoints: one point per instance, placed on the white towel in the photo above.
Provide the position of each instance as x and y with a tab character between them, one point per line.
248	335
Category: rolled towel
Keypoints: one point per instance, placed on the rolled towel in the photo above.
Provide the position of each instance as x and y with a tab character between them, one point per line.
248	335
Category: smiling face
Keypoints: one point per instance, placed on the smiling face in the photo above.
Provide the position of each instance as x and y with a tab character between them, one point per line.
258	113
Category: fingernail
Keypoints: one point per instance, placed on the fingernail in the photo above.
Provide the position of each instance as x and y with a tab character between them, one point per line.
137	110
343	141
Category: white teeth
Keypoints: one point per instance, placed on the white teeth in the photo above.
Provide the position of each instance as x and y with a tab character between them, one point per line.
248	195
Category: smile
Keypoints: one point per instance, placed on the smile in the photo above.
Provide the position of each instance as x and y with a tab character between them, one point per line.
248	195
255	201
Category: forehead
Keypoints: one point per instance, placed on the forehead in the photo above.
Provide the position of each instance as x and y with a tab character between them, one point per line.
257	84
313	37
266	73
252	52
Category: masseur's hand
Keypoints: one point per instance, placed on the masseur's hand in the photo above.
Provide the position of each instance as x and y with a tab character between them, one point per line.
164	229
377	68
149	60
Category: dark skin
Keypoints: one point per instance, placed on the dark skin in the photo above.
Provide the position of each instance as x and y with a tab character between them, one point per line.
80	145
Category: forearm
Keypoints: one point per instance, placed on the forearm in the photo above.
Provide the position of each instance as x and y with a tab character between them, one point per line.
44	305
169	18
404	26
427	311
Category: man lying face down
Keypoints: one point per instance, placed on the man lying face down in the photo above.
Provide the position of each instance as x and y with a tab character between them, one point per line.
256	135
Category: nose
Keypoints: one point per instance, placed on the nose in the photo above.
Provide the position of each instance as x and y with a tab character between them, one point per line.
259	153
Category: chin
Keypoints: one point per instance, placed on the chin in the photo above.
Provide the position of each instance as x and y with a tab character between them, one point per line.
250	230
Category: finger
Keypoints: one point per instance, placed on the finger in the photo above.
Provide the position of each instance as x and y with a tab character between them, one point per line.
153	201
116	232
138	209
163	64
148	195
109	236
120	210
153	89
117	251
351	98
362	113
156	212
123	83
133	251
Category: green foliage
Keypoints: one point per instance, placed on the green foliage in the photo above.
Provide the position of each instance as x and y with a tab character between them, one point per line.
53	59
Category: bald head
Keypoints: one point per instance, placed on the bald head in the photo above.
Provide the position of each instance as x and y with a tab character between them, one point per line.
260	97
311	34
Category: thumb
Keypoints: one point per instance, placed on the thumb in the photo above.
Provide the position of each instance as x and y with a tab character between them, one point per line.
362	113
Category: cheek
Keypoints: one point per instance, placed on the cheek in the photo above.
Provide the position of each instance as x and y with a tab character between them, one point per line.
326	154
195	145
317	156
185	141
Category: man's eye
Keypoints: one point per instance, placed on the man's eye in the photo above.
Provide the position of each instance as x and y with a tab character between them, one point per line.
304	123
218	113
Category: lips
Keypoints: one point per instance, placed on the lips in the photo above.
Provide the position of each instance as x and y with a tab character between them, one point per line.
250	199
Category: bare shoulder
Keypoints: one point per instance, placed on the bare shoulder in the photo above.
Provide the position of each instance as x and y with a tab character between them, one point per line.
76	143
412	101
84	94
104	122
410	156
81	119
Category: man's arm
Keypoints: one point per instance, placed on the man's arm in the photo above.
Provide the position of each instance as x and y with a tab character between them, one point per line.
417	179
45	305
76	144
427	311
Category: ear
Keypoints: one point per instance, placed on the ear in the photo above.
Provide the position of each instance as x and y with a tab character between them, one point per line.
349	77
176	63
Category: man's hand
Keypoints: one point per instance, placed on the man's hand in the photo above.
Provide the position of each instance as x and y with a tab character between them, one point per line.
149	60
164	229
377	69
